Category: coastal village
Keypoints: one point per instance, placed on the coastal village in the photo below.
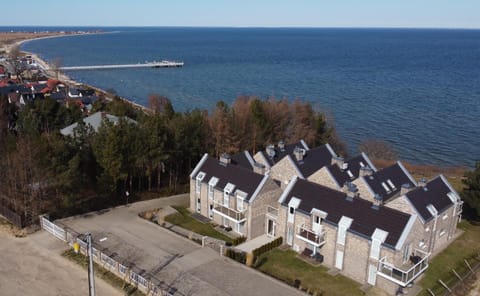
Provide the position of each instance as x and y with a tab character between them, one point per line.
339	225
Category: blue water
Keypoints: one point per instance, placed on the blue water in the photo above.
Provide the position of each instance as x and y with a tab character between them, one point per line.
418	89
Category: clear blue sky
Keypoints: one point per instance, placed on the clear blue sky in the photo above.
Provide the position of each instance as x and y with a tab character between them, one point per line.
244	13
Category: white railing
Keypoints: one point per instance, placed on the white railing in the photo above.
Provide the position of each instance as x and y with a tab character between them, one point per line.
310	236
237	216
401	276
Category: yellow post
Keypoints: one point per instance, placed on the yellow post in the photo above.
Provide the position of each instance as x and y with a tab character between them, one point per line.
76	247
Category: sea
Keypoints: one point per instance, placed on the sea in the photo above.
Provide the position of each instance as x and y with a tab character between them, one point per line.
418	89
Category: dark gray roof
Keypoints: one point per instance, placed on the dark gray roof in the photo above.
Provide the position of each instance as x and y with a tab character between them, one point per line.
244	179
313	160
242	160
434	193
365	218
341	176
281	153
397	175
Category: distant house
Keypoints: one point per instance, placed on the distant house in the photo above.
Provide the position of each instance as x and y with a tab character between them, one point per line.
94	121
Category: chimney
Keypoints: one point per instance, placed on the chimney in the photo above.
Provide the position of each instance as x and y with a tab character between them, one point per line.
405	188
338	160
225	159
365	171
270	151
422	182
281	145
351	190
259	168
377	201
299	153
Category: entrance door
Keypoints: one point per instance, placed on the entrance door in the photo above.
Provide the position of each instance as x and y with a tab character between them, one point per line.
372	274
339	260
271	225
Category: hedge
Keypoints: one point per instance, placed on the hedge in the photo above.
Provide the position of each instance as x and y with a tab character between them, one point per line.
237	256
267	247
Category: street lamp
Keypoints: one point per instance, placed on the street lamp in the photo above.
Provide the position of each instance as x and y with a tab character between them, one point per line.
91	276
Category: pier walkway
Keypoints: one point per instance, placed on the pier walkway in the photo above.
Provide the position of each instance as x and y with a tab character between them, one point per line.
162	64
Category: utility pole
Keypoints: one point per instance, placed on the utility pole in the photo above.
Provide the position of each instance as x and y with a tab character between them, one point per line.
91	276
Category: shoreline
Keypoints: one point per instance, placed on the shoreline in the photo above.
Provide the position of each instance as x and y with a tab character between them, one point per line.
63	77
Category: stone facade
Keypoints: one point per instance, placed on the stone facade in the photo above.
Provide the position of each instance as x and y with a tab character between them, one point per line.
323	177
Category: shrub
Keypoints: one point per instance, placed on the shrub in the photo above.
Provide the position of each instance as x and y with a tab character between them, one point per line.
238	240
237	256
267	247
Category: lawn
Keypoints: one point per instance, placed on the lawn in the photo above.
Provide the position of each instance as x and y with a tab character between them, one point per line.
102	273
465	247
286	266
184	219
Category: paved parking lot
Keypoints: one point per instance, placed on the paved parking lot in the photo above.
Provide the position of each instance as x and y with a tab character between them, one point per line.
175	260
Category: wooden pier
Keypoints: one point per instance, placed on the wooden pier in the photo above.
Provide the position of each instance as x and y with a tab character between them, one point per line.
162	64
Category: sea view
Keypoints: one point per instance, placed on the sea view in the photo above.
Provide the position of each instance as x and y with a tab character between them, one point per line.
418	89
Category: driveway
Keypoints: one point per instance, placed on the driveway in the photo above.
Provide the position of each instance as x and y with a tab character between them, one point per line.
177	261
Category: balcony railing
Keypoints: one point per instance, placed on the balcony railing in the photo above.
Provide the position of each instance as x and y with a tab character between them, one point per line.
309	236
229	213
406	274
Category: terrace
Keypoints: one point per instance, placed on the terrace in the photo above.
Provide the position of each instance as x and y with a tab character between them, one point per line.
405	274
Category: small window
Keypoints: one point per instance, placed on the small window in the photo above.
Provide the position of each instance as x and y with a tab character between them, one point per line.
317	219
362	164
386	187
239	204
442	232
445	217
349	173
391	184
292	210
427	229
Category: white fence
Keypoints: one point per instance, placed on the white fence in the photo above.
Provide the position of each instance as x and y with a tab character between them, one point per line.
128	272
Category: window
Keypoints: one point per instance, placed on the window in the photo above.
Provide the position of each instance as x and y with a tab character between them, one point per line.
210	212
375	249
427	229
442	232
387	189
210	191
342	234
406	252
239	204
350	174
317	219
211	187
362	164
226	199
292	210
421	243
391	184
198	183
445	217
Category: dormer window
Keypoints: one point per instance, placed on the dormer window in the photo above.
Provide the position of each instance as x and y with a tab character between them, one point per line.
198	183
362	164
226	194
241	196
211	187
349	173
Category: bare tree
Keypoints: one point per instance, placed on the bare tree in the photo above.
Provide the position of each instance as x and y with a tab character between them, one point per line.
14	55
56	66
378	149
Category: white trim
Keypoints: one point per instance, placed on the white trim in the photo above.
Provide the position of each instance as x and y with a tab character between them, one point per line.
320	213
369	162
199	165
213	181
432	210
380	235
249	158
343	225
449	186
407	173
405	232
330	149
287	190
294	202
304	144
257	191
295	167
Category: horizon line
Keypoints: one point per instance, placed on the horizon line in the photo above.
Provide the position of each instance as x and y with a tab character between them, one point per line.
242	27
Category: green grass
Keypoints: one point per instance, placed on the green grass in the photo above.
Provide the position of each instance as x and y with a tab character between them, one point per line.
102	273
285	265
184	219
465	247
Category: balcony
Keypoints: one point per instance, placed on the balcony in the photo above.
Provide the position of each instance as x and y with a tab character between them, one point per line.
405	274
230	214
309	236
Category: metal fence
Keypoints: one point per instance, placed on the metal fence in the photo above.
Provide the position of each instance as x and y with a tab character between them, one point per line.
125	270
